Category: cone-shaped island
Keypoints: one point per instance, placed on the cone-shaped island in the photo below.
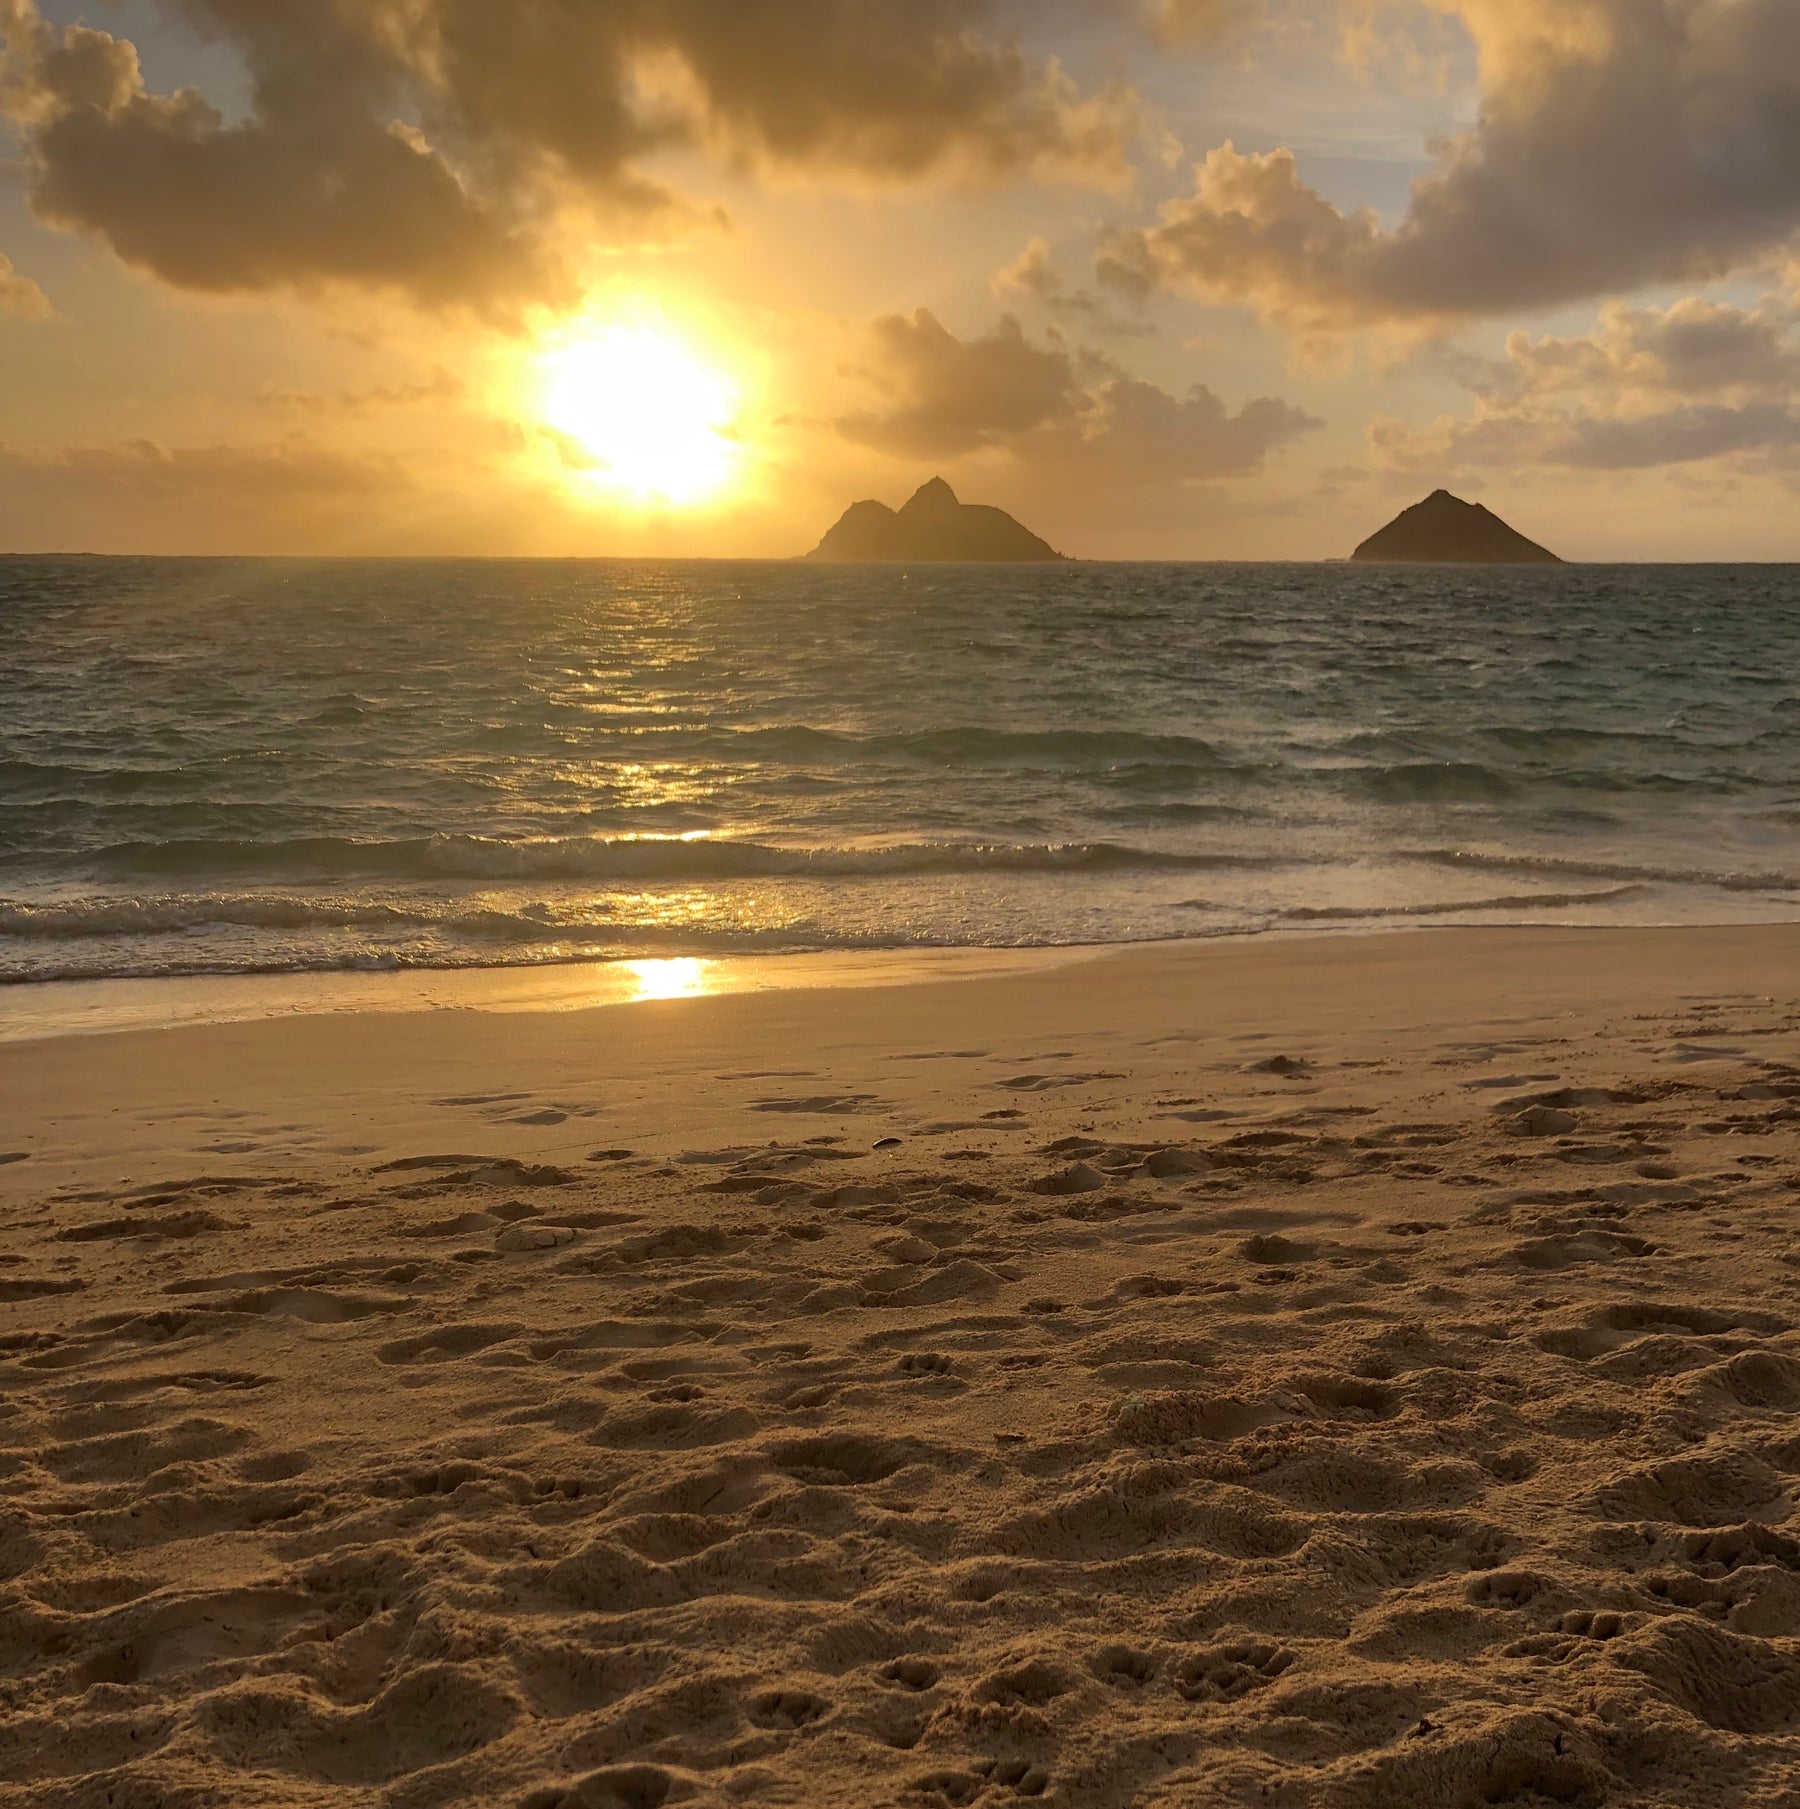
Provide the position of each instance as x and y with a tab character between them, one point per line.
1445	530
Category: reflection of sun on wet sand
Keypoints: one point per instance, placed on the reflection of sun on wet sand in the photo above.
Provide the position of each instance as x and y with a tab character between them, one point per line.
1352	1373
677	978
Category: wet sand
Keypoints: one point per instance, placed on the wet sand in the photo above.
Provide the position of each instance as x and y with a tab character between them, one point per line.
1349	1372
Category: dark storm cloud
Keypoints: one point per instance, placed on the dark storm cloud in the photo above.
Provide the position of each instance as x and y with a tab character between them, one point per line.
420	145
1056	411
1619	143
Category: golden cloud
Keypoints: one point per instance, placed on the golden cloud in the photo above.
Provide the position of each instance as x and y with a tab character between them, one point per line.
426	146
1061	414
20	296
1619	143
1689	384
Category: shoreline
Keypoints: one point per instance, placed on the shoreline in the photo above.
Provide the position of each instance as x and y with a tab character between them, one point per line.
36	1010
549	1075
42	1010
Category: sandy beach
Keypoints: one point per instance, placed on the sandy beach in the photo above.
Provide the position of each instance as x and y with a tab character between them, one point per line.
899	904
1338	1372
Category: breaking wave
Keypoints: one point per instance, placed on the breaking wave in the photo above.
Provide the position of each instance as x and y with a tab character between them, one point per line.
640	858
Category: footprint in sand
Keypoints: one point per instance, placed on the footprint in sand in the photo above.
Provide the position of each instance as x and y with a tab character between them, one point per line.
39	1287
1228	1672
1590	1246
520	1238
1498	1082
824	1105
1124	1667
503	1108
479	1171
915	1674
1049	1083
1078	1177
787	1709
150	1226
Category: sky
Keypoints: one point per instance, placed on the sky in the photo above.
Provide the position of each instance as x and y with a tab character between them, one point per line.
1168	279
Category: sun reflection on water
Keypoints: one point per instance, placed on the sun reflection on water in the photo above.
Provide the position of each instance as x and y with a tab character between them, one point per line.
682	978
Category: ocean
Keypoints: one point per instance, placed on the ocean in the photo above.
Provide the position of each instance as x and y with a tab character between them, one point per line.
234	767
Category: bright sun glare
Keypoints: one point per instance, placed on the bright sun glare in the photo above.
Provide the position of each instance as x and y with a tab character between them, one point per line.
671	979
655	421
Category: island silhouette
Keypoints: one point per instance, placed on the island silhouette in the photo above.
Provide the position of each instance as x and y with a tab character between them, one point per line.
933	528
1445	530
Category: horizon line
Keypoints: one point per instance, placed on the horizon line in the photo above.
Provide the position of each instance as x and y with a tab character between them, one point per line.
786	559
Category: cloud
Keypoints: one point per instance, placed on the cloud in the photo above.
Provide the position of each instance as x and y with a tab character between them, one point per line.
440	386
210	476
1691	434
1696	382
887	88
20	297
478	486
949	396
1695	348
427	146
1057	412
1033	276
1620	143
1200	21
143	496
313	185
1031	273
1131	434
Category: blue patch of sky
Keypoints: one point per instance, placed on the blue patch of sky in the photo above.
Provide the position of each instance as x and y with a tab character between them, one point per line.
171	55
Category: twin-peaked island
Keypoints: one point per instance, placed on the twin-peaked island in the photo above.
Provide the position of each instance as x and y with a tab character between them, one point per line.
934	528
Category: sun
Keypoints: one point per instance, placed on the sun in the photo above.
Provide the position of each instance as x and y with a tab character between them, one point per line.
653	419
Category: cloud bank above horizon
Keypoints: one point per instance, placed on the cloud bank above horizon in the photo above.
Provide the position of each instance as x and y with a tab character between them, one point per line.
1194	277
